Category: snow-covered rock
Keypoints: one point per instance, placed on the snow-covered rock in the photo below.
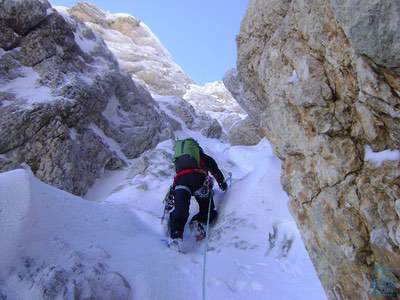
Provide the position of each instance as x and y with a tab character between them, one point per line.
142	55
214	99
186	116
321	78
66	108
137	49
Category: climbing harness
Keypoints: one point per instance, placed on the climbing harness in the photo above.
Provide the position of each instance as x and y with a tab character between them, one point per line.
205	190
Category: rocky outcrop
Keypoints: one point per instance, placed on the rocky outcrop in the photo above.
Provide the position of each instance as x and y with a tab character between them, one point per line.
214	99
66	109
371	27
183	115
245	132
322	80
137	49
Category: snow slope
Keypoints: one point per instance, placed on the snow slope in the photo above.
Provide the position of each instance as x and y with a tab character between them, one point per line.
255	250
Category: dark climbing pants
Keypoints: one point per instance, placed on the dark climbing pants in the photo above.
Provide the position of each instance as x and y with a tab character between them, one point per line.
185	187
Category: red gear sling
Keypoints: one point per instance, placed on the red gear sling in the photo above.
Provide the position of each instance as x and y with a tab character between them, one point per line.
188	171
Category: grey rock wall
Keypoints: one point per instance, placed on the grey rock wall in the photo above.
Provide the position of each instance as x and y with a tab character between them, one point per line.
66	108
321	78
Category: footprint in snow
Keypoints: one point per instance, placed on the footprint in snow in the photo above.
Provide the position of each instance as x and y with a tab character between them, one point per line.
281	245
239	285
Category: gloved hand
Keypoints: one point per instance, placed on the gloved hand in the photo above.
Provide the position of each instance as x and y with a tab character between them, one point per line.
223	186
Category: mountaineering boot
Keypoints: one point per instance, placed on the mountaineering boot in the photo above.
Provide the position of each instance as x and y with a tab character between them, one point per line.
176	244
198	229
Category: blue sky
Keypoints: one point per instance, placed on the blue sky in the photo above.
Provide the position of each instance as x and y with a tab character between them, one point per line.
200	34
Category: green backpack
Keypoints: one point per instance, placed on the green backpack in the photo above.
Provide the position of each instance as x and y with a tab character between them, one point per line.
187	154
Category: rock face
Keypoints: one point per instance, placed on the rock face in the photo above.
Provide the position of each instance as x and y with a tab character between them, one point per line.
66	109
141	54
245	132
322	80
137	49
371	27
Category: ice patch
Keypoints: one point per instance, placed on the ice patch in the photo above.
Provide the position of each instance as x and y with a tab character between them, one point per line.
27	87
164	101
113	145
294	78
86	45
73	133
303	70
114	113
377	158
85	78
49	11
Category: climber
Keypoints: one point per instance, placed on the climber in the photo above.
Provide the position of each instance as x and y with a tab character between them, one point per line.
192	166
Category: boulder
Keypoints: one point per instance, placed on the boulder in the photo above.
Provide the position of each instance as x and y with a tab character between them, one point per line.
245	132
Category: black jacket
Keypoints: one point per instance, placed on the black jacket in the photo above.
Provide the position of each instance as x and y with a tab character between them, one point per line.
209	164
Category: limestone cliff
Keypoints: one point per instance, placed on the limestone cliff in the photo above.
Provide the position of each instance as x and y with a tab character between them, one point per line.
66	108
141	54
322	79
137	49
